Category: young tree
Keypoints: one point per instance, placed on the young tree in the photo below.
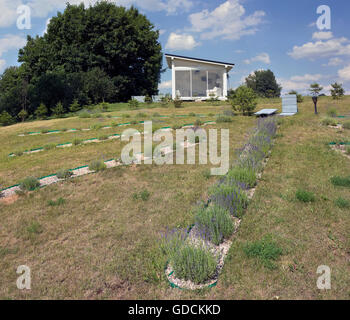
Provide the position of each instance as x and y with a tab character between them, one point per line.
75	106
58	110
6	119
315	89
41	112
300	98
244	100
338	91
23	114
264	84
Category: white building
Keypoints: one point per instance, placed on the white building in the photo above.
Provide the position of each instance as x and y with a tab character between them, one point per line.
198	79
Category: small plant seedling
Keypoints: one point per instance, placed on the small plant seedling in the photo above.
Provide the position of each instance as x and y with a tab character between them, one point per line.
29	184
97	165
305	196
58	202
341	181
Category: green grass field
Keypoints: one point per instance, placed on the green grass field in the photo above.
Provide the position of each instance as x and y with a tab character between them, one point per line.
103	243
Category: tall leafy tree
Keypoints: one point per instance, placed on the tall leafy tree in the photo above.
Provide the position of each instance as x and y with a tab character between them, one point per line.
121	42
264	84
337	90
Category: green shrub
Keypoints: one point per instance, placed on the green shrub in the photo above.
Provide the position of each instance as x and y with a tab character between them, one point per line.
143	195
141	115
156	114
49	146
222	119
103	137
126	115
77	142
29	184
64	129
84	115
64	174
332	113
176	126
96	126
207	174
6	119
198	123
329	122
104	106
341	181
197	264
43	131
244	175
177	102
211	114
305	196
97	115
192	114
347	150
35	228
164	101
342	203
215	222
265	250
148	99
244	100
18	153
133	104
97	165
346	125
58	202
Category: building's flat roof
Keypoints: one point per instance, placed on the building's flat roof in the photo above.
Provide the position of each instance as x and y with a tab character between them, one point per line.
167	55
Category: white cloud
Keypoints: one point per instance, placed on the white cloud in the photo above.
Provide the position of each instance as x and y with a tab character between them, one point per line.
42	8
227	21
2	65
333	62
301	83
181	42
322	49
322	35
11	41
307	77
165	85
263	57
344	74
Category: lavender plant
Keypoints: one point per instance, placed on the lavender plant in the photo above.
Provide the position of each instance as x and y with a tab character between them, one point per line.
197	264
230	196
214	222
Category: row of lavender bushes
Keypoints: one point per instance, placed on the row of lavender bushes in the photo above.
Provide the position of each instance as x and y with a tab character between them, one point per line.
213	221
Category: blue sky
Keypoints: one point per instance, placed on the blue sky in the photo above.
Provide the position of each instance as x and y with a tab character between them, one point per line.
253	34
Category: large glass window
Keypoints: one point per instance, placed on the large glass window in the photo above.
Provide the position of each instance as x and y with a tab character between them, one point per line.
199	83
183	83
